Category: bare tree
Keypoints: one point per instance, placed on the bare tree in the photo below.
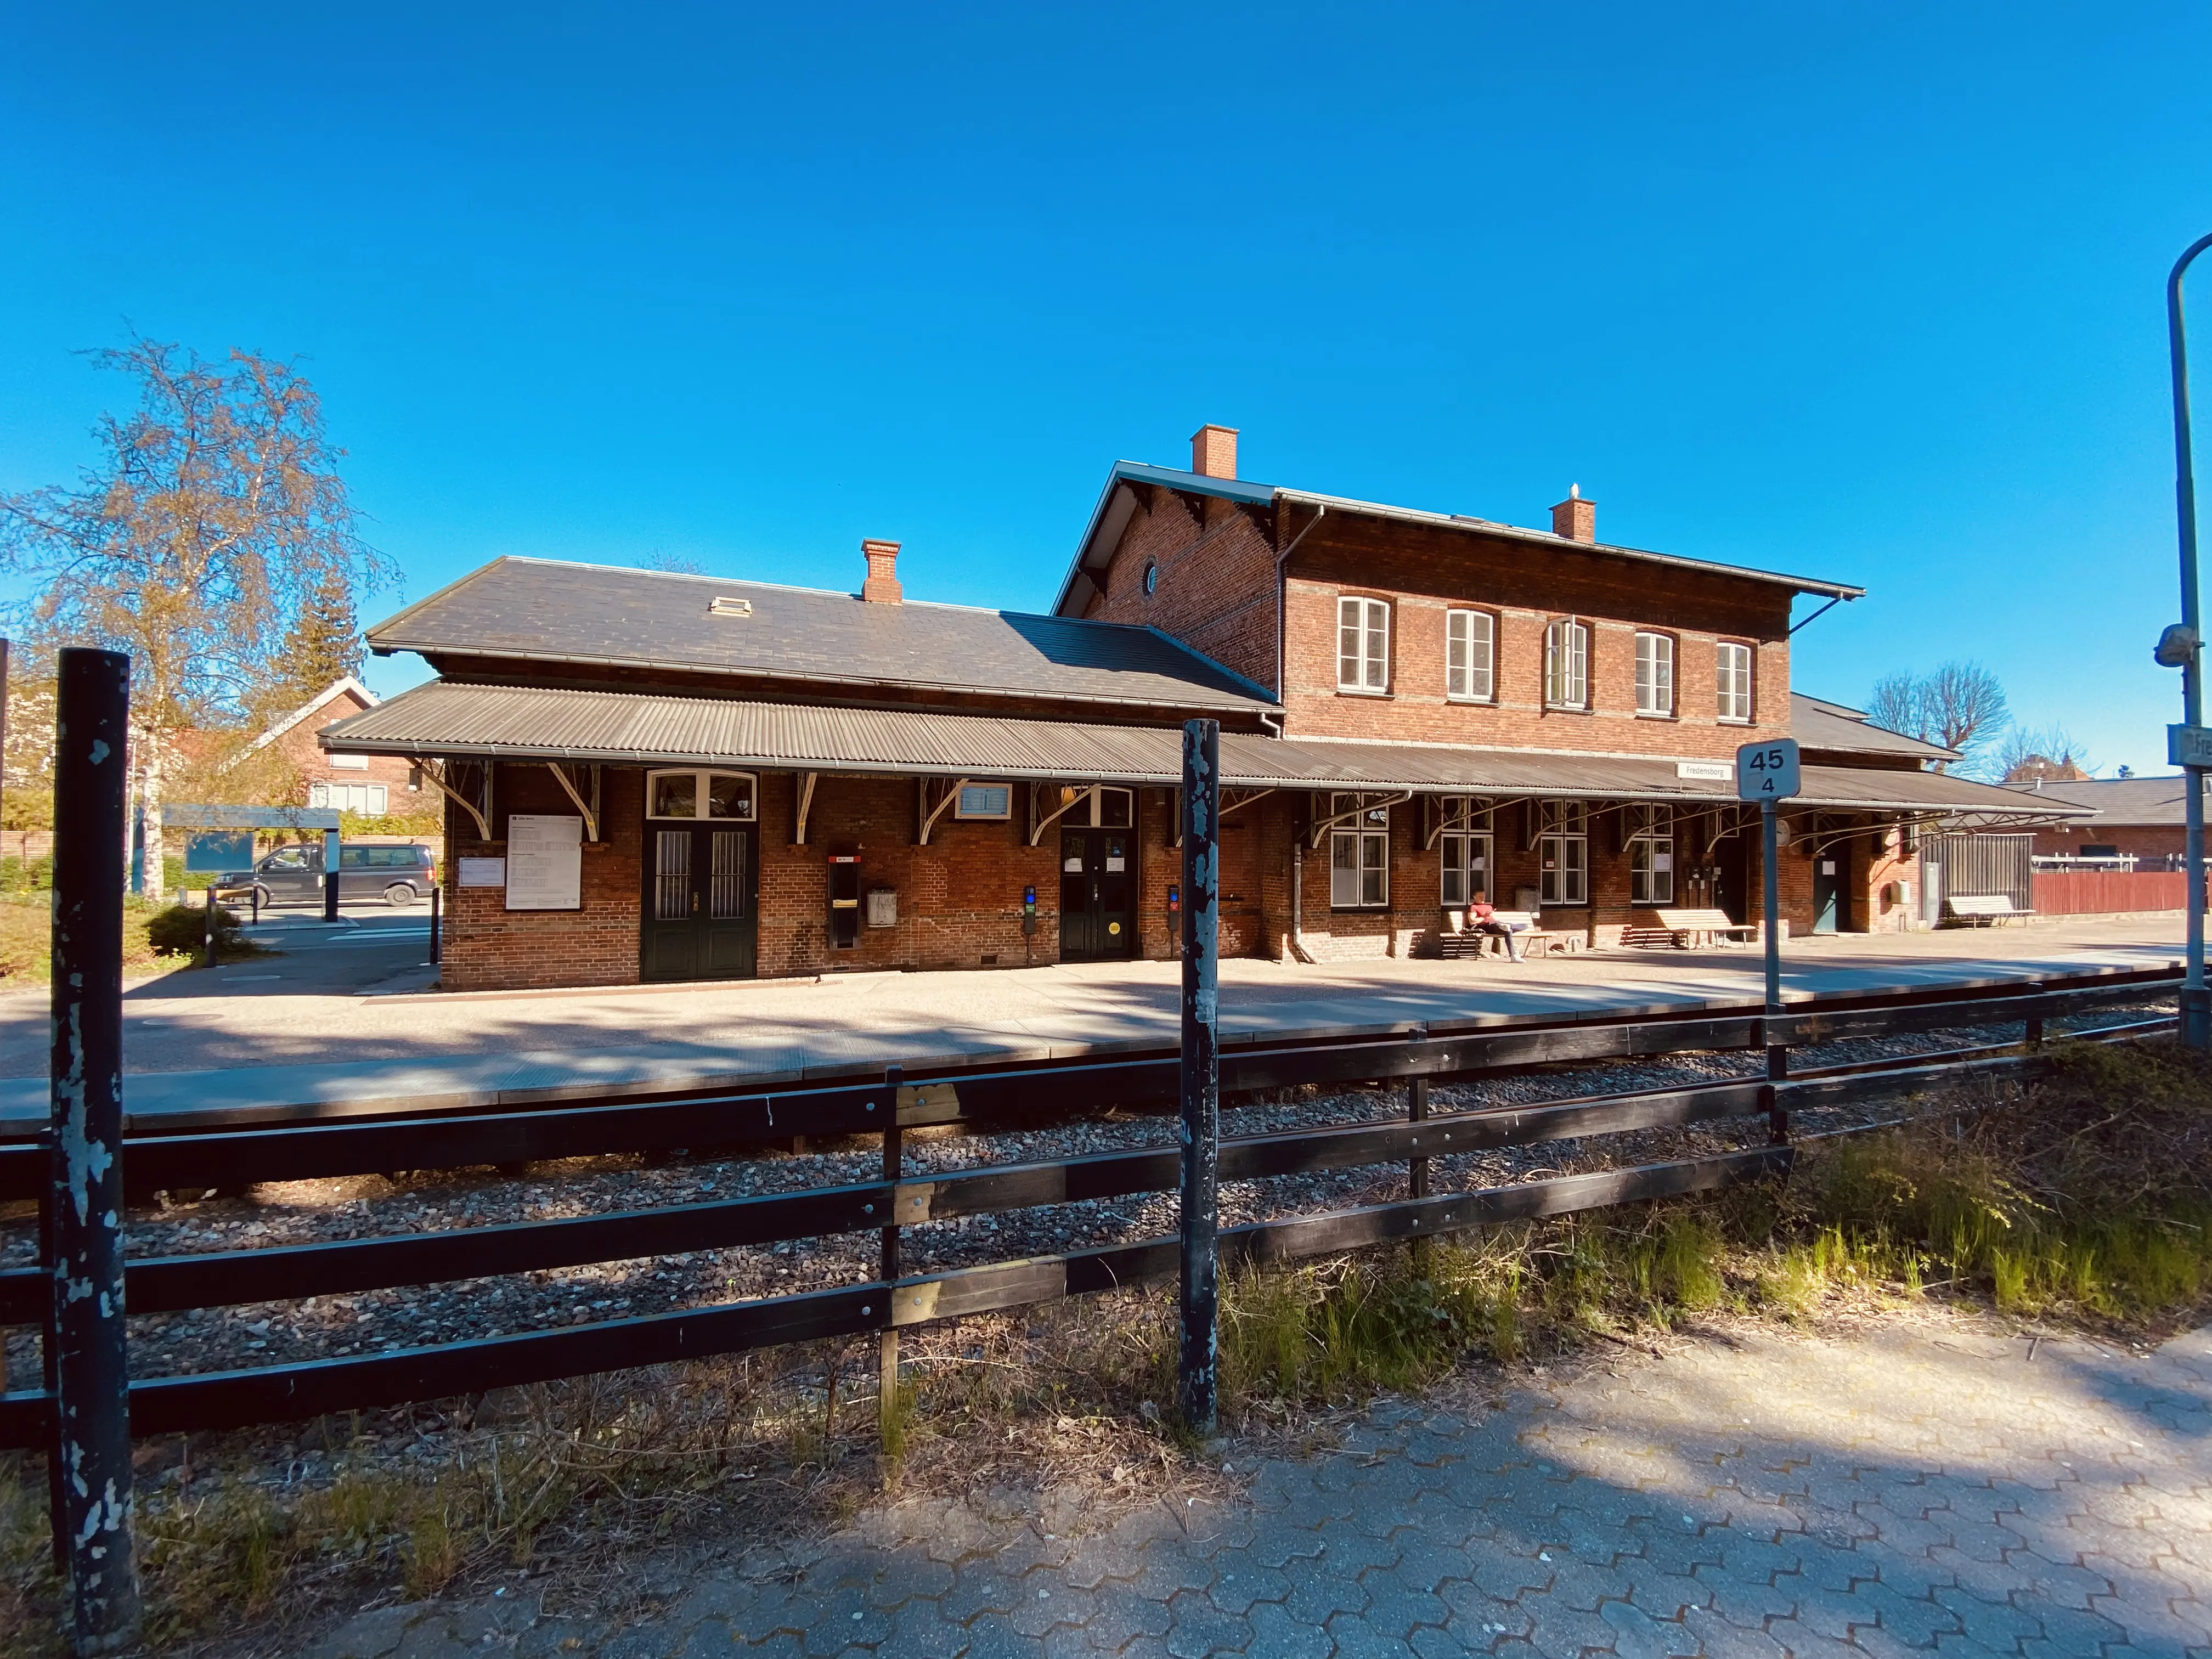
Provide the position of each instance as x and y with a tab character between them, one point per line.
2039	755
1959	705
213	519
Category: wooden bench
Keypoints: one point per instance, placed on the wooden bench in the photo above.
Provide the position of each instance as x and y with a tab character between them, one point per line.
1983	909
1457	938
1688	930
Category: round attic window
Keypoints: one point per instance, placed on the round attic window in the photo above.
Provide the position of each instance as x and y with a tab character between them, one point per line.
1153	577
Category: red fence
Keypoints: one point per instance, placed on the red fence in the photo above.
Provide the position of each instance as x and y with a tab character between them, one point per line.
2091	892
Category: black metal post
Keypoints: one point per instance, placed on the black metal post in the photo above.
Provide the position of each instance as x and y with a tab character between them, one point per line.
331	856
437	930
2195	996
208	930
255	894
887	1370
1777	1054
1201	1073
92	1422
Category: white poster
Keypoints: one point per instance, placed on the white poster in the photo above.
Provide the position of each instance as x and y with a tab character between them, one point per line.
544	861
483	873
1663	863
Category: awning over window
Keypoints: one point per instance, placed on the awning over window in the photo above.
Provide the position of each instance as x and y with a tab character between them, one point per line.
642	728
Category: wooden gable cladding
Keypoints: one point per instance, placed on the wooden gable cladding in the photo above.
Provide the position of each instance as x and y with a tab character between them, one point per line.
1466	566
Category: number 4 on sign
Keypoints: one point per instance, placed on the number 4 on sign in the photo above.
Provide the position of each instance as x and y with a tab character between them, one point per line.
1767	771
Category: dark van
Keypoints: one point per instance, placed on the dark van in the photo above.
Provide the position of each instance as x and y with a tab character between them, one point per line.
293	875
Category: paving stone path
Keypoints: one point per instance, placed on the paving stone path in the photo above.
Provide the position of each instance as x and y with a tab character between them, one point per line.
1929	1485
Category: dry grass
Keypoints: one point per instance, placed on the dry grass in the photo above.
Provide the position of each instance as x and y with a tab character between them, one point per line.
26	935
2088	1201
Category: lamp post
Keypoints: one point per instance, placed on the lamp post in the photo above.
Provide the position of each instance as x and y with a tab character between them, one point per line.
2188	747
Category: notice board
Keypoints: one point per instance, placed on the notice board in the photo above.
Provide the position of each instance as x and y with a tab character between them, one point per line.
544	861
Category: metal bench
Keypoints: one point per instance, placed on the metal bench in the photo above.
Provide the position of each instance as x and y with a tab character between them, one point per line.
1983	909
1687	930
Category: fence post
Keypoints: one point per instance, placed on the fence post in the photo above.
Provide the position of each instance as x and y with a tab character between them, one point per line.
1417	1173
887	1371
91	1443
1201	1073
207	928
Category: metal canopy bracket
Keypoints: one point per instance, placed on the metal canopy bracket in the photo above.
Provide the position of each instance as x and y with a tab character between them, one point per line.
1322	826
806	782
589	811
433	770
1038	826
929	814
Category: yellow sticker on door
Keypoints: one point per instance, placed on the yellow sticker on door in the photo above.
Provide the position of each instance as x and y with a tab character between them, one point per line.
1113	926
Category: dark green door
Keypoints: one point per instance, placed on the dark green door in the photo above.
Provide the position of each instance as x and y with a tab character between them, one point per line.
700	916
1827	891
1097	893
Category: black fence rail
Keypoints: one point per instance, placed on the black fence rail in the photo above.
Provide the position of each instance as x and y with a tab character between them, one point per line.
240	1397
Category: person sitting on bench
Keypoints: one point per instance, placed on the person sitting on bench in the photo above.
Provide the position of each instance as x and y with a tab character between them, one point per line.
1482	918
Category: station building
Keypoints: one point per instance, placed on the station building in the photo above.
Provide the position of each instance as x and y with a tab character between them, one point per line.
655	777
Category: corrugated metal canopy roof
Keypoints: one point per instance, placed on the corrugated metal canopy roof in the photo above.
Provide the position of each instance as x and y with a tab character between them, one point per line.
641	728
544	610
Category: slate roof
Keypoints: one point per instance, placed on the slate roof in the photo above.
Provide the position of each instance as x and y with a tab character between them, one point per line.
2114	802
627	727
548	612
1818	724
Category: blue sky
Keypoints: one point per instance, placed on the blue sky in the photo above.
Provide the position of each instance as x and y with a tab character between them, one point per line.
1872	292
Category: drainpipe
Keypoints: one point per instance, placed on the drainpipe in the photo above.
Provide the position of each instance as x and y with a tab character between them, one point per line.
1298	901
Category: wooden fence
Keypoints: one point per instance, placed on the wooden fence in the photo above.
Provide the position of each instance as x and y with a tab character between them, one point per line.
230	1157
2106	893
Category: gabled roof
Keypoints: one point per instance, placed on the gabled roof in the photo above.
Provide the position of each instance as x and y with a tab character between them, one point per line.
2114	802
322	700
543	611
1117	502
1817	724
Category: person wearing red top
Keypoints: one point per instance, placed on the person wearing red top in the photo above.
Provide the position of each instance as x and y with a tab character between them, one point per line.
1482	918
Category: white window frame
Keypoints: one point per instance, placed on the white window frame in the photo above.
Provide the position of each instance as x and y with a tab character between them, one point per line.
700	776
1655	675
1563	853
1091	814
1470	656
1367	839
1733	667
367	800
1465	845
1566	663
1004	791
1363	625
1650	839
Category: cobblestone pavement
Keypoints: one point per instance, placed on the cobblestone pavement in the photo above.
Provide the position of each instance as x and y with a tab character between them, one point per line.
1929	1484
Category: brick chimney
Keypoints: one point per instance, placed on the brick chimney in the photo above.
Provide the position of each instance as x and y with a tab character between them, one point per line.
1213	451
1575	518
882	587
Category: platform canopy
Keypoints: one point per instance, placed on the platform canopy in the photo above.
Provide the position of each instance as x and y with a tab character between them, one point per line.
451	721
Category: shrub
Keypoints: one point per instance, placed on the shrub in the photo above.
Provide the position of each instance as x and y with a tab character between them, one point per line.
181	930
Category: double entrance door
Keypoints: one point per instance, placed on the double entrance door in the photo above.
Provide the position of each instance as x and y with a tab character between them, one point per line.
701	914
1097	893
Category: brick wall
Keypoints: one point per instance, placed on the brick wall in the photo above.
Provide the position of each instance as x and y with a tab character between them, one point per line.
489	947
1216	587
2152	843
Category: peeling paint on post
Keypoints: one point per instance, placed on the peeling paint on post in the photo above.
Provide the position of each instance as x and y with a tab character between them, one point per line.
92	1423
1201	1072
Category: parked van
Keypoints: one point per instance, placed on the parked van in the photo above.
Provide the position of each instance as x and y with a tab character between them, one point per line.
293	875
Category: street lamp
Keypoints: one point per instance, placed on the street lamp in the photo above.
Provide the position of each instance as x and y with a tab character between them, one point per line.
2189	745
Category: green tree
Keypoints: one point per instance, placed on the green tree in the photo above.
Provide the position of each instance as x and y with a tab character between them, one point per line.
324	645
213	517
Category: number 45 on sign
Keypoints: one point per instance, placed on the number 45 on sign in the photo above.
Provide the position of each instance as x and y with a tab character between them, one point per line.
1767	771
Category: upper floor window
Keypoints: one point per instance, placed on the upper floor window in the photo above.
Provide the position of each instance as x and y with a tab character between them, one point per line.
1470	651
1359	854
1733	678
1566	665
1363	645
689	795
369	799
1655	673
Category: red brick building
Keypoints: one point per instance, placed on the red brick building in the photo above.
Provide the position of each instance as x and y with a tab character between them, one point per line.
371	785
2139	818
664	776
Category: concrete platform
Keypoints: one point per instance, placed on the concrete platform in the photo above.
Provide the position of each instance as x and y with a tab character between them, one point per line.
269	1054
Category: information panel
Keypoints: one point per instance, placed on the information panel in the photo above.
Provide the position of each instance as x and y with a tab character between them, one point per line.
483	873
544	862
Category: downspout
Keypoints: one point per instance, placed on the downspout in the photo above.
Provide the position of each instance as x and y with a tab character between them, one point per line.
1298	901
